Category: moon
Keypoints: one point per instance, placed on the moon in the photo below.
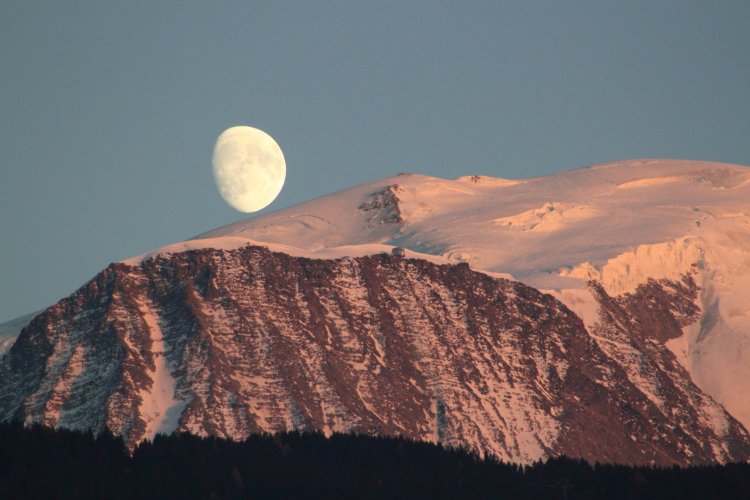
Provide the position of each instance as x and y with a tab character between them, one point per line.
249	168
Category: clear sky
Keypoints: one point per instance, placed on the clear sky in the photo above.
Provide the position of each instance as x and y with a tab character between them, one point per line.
109	110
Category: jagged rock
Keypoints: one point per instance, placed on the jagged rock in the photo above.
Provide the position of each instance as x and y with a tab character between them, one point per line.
383	206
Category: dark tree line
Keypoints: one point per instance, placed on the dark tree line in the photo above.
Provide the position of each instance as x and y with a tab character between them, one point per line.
40	462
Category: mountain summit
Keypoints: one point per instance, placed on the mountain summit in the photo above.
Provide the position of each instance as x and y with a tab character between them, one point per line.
600	312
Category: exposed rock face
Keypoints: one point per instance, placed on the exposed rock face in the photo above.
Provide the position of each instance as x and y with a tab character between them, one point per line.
234	342
383	206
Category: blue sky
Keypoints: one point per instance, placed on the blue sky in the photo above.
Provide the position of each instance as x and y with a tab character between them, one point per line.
110	109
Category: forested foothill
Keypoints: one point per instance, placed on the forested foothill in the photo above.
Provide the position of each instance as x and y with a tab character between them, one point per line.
40	462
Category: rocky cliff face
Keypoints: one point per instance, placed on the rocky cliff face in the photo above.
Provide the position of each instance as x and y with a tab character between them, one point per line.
231	342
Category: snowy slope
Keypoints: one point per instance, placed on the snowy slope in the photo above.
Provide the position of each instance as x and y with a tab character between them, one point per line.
591	214
618	223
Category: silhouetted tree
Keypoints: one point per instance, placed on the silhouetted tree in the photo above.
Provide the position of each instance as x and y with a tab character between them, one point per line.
39	462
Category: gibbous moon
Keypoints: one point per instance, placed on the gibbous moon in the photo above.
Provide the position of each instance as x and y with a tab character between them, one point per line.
249	168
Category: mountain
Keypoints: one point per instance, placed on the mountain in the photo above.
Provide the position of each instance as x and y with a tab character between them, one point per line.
617	223
598	313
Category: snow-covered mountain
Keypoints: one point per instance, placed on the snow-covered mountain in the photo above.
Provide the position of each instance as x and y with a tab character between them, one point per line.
637	351
617	223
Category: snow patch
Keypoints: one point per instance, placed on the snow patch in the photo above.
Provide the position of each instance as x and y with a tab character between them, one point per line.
223	243
581	301
650	182
159	409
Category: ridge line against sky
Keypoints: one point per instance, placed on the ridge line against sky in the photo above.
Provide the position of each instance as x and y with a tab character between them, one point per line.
110	111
